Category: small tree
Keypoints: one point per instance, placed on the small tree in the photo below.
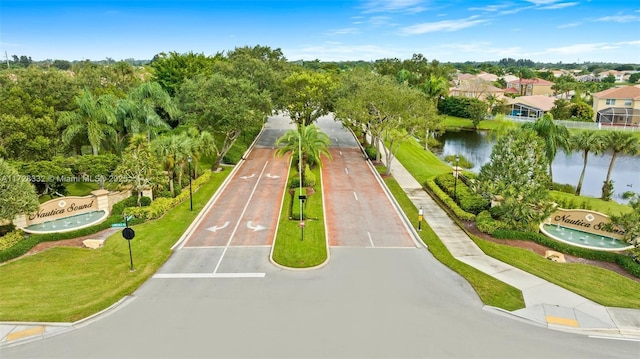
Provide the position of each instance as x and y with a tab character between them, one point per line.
517	172
139	168
17	194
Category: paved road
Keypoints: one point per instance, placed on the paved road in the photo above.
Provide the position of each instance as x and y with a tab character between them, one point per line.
366	303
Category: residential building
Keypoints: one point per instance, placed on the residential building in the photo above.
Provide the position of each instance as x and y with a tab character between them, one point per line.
531	87
533	106
617	106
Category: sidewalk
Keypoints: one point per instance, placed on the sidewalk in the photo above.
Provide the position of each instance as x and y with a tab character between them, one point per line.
546	304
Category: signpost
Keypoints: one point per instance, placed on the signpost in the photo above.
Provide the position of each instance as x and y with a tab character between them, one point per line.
128	234
420	212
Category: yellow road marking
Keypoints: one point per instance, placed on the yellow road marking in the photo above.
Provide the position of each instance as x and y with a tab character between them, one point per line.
562	321
25	333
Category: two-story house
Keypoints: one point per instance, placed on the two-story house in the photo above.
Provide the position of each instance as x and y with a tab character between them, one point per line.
529	87
618	106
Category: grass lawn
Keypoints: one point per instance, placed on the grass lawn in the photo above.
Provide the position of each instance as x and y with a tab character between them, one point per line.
594	204
597	284
290	250
420	163
66	284
490	290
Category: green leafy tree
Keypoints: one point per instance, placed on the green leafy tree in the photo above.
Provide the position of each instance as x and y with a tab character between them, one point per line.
28	139
225	107
634	77
464	107
96	168
619	143
139	167
95	118
517	173
586	142
172	150
435	88
629	222
555	137
562	109
308	96
173	69
307	144
17	194
48	177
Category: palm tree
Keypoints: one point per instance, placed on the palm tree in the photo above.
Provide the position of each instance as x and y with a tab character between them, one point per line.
586	141
202	144
94	117
173	151
306	144
140	111
435	87
554	137
619	142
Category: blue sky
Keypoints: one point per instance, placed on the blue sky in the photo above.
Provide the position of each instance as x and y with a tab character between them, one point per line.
330	30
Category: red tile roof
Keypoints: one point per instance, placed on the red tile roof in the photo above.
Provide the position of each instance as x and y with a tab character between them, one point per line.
531	81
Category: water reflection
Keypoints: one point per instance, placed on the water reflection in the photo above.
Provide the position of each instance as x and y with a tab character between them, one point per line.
476	147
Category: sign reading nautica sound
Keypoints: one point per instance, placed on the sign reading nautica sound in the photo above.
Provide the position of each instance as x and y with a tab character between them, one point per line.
584	228
65	214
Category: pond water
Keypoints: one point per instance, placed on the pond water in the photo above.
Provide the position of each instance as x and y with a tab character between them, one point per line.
583	239
476	147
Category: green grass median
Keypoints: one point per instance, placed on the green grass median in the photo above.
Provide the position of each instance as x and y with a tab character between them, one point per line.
65	284
292	247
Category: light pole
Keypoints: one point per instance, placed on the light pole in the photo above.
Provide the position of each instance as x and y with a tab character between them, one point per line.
455	180
301	197
420	212
189	159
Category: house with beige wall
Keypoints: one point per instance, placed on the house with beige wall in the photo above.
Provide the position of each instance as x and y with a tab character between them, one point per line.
617	106
531	87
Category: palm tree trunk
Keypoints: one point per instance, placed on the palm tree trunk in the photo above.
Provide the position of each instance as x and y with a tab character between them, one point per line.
551	175
584	168
613	159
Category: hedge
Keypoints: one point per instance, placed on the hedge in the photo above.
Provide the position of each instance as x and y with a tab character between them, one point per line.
625	261
431	187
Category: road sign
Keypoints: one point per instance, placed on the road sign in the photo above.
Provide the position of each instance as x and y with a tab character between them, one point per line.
115	225
128	233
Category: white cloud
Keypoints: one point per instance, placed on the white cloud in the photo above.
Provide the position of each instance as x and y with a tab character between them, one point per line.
410	6
582	48
345	31
333	51
558	6
445	25
619	18
568	25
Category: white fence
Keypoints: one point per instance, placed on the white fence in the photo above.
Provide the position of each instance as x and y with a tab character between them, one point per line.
574	124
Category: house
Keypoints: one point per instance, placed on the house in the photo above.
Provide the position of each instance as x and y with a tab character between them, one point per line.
533	106
531	87
477	88
617	106
620	76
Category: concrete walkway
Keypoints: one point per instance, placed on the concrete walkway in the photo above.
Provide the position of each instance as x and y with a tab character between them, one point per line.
546	303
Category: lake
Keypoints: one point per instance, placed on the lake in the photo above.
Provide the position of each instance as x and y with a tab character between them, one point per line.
476	148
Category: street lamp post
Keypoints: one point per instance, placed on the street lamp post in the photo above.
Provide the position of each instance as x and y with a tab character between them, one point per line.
189	159
455	180
301	197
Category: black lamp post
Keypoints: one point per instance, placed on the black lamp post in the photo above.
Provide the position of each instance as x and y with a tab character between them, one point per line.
190	193
455	181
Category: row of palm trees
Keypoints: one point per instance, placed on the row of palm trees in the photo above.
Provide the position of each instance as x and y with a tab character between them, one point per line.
557	137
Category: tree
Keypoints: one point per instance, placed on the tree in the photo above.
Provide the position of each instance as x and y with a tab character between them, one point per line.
27	138
146	109
586	142
618	142
517	173
629	222
17	194
224	106
435	87
173	69
308	96
139	167
464	107
554	136
634	77
96	168
172	150
94	118
307	144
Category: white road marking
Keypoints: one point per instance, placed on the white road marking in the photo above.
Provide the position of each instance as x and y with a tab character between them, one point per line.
253	191
370	239
346	170
355	195
207	275
247	177
215	228
269	175
255	228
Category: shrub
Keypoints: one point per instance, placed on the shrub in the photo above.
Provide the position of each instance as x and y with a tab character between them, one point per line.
372	152
486	223
11	239
433	189
566	188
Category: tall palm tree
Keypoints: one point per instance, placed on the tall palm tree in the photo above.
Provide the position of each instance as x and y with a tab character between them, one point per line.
554	136
306	144
140	110
173	151
202	144
625	143
586	141
94	117
435	87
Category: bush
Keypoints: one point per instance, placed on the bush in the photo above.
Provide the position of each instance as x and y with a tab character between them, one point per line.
467	200
372	152
11	239
309	179
434	190
486	224
566	188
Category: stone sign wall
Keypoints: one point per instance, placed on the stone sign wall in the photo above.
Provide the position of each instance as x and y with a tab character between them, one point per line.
584	220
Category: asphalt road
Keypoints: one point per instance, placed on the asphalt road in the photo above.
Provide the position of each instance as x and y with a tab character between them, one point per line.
367	302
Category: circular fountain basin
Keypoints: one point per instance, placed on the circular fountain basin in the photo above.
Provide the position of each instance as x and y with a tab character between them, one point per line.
582	239
68	224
